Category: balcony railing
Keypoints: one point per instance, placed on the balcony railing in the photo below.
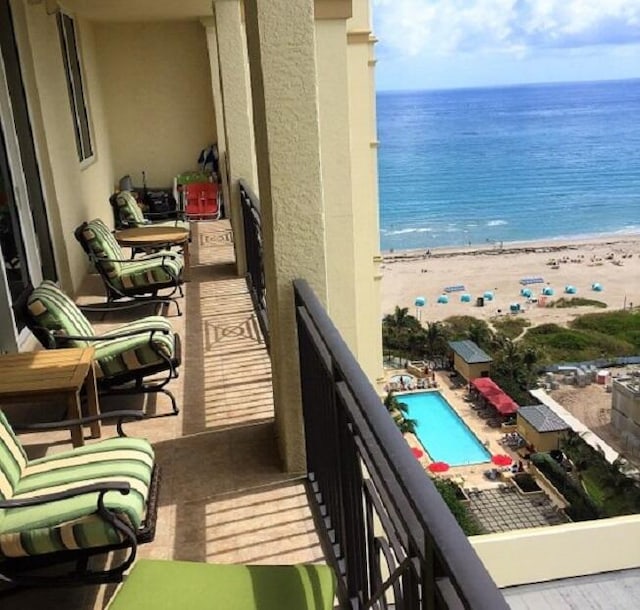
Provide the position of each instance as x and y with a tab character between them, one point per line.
388	534
253	249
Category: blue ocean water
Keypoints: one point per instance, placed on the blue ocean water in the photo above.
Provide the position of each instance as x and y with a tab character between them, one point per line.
519	163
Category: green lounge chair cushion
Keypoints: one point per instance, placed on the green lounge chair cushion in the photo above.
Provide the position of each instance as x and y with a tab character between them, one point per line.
164	585
103	245
54	310
142	273
13	459
72	523
138	351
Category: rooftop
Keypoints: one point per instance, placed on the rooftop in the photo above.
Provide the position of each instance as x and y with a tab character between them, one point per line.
469	352
543	418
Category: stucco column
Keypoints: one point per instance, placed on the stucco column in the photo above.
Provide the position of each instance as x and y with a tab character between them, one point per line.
364	184
333	98
280	35
236	101
218	106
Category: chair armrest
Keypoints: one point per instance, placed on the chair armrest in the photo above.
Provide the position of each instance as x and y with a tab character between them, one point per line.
128	260
114	335
103	487
81	421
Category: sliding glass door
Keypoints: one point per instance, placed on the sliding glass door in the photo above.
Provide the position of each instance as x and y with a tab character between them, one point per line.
26	253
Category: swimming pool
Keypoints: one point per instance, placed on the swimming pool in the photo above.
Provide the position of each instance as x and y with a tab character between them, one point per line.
442	432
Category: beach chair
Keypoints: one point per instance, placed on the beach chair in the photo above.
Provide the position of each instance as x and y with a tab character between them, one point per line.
139	357
65	508
127	214
138	279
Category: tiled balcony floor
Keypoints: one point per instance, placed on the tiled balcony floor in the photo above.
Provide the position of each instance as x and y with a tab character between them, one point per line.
223	495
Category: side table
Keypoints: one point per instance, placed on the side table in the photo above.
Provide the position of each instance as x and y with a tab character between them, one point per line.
50	375
150	236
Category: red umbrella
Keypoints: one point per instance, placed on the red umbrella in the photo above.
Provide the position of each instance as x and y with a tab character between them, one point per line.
438	467
418	453
502	459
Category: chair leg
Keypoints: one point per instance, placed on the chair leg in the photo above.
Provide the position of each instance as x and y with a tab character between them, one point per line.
145	389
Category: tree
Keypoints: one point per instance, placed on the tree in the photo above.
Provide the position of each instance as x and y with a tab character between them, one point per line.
399	331
480	333
398	411
435	340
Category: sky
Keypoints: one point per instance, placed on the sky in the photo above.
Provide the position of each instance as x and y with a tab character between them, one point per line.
446	44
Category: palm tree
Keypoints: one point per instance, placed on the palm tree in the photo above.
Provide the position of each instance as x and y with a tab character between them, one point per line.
398	329
480	333
435	339
398	411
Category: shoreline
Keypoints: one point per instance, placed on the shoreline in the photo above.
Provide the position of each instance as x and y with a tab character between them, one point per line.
512	247
611	262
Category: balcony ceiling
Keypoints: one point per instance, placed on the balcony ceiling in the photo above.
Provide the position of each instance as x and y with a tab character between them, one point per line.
140	10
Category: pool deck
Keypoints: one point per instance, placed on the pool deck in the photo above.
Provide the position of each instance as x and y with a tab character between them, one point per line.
470	476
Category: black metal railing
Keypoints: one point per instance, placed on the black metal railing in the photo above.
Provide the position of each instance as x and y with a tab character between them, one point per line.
253	249
387	532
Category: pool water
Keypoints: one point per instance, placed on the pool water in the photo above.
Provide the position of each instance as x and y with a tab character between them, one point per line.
441	430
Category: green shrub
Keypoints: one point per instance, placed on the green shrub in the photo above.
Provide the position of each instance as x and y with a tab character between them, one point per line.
449	492
510	327
576	302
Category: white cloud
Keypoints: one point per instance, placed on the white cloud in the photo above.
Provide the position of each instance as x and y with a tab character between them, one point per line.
410	27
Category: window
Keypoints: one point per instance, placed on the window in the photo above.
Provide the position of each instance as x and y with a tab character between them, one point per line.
73	71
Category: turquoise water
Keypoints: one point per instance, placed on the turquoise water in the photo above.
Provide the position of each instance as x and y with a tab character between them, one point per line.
441	431
520	163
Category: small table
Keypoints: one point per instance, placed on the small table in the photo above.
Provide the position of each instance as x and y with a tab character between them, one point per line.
51	374
149	236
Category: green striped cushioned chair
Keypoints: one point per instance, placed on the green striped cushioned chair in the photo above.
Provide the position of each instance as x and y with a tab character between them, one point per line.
127	354
128	214
50	508
135	278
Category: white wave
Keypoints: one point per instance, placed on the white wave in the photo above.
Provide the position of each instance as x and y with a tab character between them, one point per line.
496	223
410	230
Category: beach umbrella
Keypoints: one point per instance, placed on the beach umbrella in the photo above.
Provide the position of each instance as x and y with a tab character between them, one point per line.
443	298
502	459
465	298
420	301
488	295
418	453
569	289
596	286
526	292
438	467
548	291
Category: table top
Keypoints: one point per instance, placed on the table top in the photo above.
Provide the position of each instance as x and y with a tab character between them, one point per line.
44	371
151	235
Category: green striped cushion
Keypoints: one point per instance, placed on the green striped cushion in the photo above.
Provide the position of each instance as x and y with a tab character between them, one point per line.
72	523
103	245
54	310
145	273
131	353
12	460
129	209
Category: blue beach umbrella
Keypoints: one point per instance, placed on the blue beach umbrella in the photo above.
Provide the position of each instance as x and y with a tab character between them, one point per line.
465	298
526	292
443	298
548	291
596	286
569	289
488	295
420	301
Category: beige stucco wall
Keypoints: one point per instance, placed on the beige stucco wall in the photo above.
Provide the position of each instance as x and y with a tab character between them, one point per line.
74	191
158	103
541	441
335	151
561	551
364	185
470	371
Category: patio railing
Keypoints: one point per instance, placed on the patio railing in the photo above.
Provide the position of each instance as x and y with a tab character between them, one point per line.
387	532
253	250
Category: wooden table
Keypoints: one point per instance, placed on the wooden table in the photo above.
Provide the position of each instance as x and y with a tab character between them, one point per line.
150	236
50	375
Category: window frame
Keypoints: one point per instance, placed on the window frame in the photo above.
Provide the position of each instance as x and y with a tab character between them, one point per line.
74	74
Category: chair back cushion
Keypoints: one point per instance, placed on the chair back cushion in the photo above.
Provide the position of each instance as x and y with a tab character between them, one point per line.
102	247
129	211
51	309
12	460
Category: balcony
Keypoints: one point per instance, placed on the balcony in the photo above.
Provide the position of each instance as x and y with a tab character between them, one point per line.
365	507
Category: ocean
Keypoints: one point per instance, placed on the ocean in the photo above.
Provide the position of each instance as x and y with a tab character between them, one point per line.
470	167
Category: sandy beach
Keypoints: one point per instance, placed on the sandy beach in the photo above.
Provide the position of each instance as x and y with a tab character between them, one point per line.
613	262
